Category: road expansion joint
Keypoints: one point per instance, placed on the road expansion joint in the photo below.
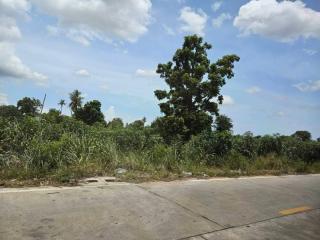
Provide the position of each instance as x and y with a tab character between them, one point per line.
180	205
247	224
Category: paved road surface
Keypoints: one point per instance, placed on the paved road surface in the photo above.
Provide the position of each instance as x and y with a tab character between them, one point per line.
286	207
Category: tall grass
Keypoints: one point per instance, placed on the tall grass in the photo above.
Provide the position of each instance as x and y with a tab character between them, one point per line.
32	148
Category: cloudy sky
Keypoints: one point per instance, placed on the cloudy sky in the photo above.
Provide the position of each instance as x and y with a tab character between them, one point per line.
109	50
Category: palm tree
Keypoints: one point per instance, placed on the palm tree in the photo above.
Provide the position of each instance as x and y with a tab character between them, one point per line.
61	103
75	100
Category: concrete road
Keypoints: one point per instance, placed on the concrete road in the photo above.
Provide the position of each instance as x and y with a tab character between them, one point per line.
286	207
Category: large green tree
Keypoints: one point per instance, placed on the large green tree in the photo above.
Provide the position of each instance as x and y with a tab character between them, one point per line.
75	100
29	106
194	89
90	113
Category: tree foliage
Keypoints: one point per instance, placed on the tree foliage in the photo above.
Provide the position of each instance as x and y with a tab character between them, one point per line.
223	123
302	135
138	124
29	106
194	88
61	103
75	100
90	113
115	123
10	111
53	116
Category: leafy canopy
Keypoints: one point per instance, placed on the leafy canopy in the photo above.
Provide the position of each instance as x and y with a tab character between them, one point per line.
10	111
90	113
29	106
194	89
223	123
115	123
61	103
302	135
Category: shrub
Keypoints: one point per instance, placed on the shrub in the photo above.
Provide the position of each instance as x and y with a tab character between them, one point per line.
43	155
246	145
269	144
211	146
163	155
235	161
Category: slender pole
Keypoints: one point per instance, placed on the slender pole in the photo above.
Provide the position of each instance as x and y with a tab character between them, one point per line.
44	99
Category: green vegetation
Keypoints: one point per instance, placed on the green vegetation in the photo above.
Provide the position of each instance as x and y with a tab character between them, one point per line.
194	84
191	137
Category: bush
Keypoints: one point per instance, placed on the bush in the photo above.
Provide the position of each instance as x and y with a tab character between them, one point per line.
236	161
269	144
271	162
296	149
43	156
212	146
163	155
246	145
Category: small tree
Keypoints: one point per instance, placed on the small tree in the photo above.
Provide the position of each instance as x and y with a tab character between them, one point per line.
115	123
302	135
61	103
29	106
223	123
138	124
90	113
75	100
194	89
53	116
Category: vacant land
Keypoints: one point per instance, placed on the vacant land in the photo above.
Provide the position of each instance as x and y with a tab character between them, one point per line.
46	151
190	138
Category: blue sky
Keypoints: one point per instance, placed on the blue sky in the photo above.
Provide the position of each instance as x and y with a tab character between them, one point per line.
109	50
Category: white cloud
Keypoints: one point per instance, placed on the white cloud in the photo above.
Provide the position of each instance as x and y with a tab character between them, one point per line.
168	30
14	7
284	21
253	90
110	113
216	6
8	29
9	11
308	87
3	99
87	20
194	21
218	21
227	100
310	52
10	64
83	73
148	73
